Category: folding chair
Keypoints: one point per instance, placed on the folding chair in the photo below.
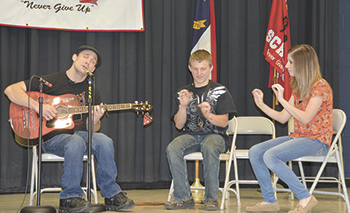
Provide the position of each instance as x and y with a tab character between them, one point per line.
333	156
47	157
251	125
229	156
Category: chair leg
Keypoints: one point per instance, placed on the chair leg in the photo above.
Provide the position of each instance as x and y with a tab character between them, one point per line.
302	174
171	190
274	183
227	177
341	172
291	194
320	171
237	182
225	186
34	175
227	194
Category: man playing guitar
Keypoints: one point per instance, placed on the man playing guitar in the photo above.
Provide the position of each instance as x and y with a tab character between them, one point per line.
72	143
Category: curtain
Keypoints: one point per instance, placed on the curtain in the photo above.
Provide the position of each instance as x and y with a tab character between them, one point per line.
151	66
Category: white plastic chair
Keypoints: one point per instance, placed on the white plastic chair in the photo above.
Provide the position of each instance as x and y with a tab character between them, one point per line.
333	156
47	157
228	157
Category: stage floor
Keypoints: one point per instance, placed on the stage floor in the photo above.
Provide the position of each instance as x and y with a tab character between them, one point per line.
152	201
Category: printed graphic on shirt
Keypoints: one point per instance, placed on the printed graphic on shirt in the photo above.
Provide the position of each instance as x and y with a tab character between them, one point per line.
195	118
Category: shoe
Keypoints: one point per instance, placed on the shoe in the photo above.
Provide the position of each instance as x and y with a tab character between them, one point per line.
76	204
211	205
299	208
173	205
272	207
119	202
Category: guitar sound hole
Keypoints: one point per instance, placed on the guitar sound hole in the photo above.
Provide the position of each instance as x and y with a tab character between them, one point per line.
62	111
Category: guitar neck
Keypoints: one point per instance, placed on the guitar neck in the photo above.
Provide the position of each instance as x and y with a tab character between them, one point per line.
110	107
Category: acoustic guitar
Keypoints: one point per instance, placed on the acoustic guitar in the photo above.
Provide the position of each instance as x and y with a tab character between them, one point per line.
25	122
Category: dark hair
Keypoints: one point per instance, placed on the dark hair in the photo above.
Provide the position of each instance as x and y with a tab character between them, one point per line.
86	47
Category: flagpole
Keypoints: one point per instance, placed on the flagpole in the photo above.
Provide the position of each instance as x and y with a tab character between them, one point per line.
274	104
274	99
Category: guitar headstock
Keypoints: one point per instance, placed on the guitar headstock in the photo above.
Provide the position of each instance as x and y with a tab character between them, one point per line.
142	107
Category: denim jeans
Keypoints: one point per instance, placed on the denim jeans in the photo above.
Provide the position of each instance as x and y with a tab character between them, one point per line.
211	146
273	154
72	148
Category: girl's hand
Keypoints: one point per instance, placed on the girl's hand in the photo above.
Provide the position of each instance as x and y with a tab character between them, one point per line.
258	97
278	90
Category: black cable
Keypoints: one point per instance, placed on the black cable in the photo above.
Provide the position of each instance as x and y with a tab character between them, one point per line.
28	143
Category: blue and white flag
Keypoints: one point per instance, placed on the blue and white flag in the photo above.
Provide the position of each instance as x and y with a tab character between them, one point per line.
204	30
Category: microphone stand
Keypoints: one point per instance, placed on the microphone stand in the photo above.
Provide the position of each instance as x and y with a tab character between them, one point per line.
39	208
95	207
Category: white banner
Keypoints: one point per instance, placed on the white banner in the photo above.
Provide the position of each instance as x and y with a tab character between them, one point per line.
75	15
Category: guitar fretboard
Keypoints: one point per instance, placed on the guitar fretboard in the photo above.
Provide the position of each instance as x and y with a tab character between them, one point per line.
111	107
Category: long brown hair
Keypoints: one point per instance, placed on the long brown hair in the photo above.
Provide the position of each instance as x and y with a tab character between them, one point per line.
306	69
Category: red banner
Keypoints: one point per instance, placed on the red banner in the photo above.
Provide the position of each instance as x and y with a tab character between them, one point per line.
277	44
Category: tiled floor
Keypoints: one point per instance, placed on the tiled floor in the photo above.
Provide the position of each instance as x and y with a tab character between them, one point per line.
152	201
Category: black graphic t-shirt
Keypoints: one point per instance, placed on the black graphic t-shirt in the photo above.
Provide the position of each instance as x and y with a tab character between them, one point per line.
62	85
221	102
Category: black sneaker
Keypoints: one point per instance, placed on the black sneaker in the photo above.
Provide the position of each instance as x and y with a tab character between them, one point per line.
119	202
211	205
76	204
173	205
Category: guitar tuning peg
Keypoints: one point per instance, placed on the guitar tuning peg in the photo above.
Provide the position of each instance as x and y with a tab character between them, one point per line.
136	102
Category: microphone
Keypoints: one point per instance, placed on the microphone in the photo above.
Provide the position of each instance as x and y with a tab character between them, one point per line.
89	73
43	80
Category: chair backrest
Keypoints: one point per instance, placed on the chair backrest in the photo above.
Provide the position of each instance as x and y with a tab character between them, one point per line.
291	125
232	130
232	126
255	125
339	120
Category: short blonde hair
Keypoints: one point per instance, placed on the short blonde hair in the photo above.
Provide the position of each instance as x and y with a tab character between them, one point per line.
201	55
306	69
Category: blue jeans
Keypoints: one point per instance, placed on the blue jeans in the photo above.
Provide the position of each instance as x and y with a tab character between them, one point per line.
273	154
72	148
211	146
